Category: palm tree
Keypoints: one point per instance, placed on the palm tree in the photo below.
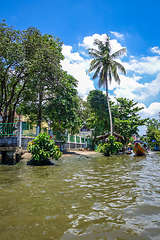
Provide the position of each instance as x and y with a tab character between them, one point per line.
105	67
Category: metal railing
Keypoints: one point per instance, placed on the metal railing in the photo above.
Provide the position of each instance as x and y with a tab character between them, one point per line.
72	138
8	129
28	130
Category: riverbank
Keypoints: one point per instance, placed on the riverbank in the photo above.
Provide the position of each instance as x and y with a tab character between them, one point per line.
27	156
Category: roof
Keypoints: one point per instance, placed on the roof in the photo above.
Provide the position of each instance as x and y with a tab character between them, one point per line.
103	137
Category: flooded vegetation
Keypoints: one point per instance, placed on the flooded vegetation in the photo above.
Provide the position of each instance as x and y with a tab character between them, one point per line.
112	198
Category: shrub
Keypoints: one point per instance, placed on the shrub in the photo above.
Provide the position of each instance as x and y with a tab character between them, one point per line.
100	148
110	147
30	143
42	148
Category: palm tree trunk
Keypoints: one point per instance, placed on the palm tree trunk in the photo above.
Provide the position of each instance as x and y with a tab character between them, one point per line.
109	109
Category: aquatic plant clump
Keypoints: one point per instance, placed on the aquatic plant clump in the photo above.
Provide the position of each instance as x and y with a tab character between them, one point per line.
111	147
43	148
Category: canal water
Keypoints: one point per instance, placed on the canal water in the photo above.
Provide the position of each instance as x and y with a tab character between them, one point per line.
114	198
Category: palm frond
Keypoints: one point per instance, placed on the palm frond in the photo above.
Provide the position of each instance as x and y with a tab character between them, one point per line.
93	65
102	81
98	43
96	72
115	73
94	52
118	53
120	67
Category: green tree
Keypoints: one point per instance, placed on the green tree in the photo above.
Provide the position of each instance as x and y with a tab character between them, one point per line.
153	122
126	118
99	119
26	59
153	134
84	110
105	67
62	110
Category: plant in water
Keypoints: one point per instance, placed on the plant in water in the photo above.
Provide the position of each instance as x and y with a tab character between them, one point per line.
100	148
42	148
110	147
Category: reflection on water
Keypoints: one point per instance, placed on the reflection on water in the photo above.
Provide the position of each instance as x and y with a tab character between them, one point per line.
100	198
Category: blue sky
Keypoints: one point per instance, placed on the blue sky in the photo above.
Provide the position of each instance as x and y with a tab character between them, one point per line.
131	24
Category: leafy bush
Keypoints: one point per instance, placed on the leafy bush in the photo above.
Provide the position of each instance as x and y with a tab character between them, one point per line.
42	148
118	145
100	148
110	147
30	143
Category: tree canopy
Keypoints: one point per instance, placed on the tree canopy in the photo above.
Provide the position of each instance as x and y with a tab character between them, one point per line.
126	117
62	110
27	58
153	132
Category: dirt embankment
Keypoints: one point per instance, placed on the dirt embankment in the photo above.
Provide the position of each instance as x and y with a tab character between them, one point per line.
27	156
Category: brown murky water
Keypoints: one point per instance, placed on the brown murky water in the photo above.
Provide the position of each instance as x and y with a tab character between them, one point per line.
114	198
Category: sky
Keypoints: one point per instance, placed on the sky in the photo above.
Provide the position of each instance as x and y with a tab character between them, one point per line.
131	24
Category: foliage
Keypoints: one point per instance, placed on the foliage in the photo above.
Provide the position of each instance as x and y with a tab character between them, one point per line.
126	118
42	148
111	147
100	148
99	119
153	123
144	139
30	143
84	110
29	63
131	140
105	67
153	134
62	110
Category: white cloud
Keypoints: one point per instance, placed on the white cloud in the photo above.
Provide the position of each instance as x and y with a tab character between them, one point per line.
88	42
155	50
127	88
130	87
153	88
76	65
117	35
152	111
146	65
71	56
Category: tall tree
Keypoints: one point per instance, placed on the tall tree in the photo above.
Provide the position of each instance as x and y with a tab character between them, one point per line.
105	67
25	57
126	117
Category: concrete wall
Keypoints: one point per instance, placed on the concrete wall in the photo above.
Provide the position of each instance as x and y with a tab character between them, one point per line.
25	141
6	141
